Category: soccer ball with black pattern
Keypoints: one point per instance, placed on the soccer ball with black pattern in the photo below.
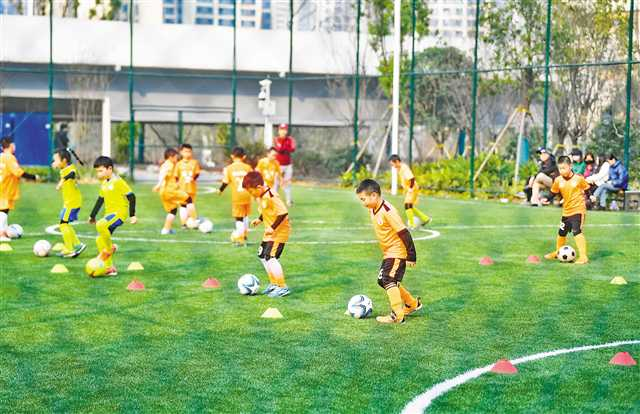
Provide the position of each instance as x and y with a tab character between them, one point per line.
360	306
248	284
566	254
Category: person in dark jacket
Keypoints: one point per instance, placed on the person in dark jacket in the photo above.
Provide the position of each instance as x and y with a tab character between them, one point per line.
618	180
61	140
543	179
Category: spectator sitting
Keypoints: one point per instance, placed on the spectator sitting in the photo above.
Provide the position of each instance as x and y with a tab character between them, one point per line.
590	164
578	165
547	172
618	180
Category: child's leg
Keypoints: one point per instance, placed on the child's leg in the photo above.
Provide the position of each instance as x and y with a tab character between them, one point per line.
408	209
392	268
183	215
406	296
245	222
273	264
4	222
581	241
168	221
239	226
425	218
104	243
67	236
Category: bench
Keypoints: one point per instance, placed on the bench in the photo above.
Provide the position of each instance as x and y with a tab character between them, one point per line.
630	199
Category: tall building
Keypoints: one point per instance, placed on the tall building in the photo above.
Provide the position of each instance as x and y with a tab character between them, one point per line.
251	13
312	15
452	22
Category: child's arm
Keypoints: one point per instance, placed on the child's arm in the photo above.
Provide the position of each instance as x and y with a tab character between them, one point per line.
257	221
406	238
161	177
96	209
132	208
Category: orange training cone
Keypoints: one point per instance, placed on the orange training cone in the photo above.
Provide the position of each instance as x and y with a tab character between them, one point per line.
486	261
211	283
623	358
533	259
504	366
135	285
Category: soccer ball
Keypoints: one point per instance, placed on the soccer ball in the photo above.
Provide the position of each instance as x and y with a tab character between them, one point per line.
360	306
95	267
566	254
206	226
416	223
42	248
193	223
248	284
14	231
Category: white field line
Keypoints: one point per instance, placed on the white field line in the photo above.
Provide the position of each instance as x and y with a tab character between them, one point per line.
420	403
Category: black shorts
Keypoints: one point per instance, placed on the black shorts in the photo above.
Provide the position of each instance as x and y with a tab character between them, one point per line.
571	224
391	272
269	249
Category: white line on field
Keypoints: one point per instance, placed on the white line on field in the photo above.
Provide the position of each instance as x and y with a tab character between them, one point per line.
420	403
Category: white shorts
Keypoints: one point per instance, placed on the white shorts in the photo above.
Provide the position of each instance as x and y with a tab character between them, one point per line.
287	171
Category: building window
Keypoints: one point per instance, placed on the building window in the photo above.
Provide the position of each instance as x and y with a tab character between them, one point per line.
204	10
248	1
248	13
225	12
231	2
266	4
266	21
248	24
225	22
203	20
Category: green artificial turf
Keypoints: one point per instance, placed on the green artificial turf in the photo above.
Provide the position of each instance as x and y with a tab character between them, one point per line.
69	343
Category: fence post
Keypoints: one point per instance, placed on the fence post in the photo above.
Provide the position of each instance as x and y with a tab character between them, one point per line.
356	99
234	77
547	51
50	74
132	125
141	144
474	102
627	121
290	81
412	80
180	128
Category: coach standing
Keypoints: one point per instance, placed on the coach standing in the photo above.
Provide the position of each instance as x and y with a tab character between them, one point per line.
285	145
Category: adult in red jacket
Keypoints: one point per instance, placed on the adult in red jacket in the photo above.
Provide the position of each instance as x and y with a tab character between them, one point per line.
285	145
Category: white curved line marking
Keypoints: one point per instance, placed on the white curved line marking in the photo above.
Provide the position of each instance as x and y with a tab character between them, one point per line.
424	400
53	230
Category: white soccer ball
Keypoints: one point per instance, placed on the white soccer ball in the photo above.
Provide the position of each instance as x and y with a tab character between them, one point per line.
566	254
42	248
193	223
206	226
360	306
248	284
416	223
15	231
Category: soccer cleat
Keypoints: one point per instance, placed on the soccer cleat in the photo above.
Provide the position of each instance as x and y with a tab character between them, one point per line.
582	260
78	249
427	222
165	232
551	256
408	310
112	271
391	318
65	254
279	292
270	288
5	239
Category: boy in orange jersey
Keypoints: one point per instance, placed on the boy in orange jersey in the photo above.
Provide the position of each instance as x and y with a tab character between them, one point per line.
10	173
397	248
188	173
269	168
233	175
572	187
170	194
411	191
274	215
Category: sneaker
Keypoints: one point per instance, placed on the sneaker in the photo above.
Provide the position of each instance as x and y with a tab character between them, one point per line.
429	220
408	310
391	318
165	232
112	271
64	253
270	288
81	248
5	239
279	292
551	256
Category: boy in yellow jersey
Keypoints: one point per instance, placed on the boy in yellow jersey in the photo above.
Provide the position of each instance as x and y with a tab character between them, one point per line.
274	215
119	203
72	202
188	173
572	187
397	248
171	195
10	174
411	191
269	168
233	175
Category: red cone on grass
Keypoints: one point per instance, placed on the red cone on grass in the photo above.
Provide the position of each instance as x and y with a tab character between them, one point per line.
135	285
623	358
504	366
533	259
486	261
211	283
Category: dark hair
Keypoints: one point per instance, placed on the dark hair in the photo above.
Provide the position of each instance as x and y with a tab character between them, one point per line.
589	154
170	152
252	180
272	149
394	158
6	142
187	146
564	160
64	154
612	157
576	151
103	161
369	186
238	152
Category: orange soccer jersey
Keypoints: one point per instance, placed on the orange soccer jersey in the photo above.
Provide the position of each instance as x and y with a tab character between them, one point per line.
406	175
269	170
10	173
387	223
271	206
572	191
188	172
170	194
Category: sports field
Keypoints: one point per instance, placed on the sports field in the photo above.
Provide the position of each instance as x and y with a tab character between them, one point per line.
74	344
